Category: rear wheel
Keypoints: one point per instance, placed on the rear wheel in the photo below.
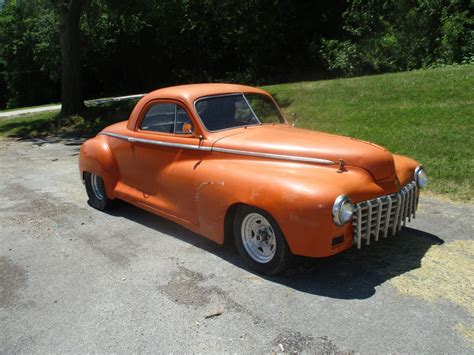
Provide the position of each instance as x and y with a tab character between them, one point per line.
260	241
96	192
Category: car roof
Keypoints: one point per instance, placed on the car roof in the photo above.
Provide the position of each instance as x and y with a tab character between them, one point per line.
191	92
188	94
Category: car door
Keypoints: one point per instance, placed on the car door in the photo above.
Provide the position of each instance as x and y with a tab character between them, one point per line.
165	155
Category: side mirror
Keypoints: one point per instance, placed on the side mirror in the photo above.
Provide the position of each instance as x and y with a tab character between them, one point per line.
188	128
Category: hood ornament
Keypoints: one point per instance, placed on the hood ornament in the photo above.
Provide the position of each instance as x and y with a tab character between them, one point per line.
342	165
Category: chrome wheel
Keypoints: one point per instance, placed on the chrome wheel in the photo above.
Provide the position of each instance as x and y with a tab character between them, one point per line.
97	186
258	238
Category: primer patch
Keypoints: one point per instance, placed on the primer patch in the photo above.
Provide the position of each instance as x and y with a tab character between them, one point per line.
446	272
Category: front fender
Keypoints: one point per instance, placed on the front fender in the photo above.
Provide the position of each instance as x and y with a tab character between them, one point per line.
96	157
405	168
299	196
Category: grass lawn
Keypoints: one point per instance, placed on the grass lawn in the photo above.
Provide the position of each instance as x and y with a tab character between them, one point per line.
426	114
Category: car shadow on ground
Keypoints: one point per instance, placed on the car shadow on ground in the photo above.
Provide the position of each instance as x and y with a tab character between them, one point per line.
353	274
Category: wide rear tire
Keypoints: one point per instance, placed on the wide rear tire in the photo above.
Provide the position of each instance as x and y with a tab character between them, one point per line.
96	192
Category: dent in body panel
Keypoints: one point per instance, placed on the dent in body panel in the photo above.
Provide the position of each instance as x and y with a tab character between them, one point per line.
298	196
299	201
212	203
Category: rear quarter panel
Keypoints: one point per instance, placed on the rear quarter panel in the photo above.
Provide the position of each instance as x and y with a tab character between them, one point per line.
96	157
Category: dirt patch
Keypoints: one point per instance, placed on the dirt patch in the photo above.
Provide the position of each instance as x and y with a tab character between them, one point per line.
295	342
12	279
184	288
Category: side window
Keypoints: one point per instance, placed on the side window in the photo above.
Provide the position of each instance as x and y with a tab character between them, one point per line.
159	118
167	118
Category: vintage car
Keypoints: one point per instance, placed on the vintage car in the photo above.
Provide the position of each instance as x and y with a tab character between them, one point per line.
222	161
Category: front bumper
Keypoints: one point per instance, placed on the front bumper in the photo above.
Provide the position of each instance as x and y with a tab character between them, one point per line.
384	215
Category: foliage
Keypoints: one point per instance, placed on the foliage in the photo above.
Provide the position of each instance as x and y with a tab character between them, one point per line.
398	35
29	53
138	45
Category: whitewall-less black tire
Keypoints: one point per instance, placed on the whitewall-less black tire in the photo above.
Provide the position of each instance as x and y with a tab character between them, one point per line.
260	242
96	192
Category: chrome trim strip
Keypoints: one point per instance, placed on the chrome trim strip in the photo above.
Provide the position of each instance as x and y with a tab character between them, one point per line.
220	150
359	226
369	224
274	156
379	218
410	203
414	201
403	211
387	217
118	136
395	220
160	143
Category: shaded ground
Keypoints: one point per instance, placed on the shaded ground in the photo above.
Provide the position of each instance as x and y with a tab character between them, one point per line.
73	279
57	107
94	118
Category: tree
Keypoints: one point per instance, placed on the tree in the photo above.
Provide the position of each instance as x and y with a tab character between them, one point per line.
71	84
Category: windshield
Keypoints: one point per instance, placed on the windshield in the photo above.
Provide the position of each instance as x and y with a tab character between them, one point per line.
229	111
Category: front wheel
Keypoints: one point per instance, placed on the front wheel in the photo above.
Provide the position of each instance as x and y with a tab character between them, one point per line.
260	241
96	192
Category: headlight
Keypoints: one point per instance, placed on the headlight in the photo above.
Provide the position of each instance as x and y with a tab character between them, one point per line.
342	210
420	177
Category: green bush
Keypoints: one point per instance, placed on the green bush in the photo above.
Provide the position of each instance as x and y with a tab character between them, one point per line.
398	35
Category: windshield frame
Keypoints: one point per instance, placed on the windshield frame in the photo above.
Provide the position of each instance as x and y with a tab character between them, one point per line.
282	117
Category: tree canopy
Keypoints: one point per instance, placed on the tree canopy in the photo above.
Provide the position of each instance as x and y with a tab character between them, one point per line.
138	45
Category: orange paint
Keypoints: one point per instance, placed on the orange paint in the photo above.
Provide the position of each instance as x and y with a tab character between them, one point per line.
197	179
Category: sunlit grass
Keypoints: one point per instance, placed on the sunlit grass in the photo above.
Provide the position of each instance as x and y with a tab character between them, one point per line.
426	114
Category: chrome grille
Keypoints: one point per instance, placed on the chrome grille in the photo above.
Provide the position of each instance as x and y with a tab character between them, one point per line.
384	215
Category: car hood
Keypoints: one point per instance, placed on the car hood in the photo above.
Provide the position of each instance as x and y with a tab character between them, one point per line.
294	142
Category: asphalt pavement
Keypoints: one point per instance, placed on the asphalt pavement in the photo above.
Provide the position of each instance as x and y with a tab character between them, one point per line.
76	280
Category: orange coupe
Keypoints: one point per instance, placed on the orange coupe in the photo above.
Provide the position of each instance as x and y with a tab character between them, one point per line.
222	160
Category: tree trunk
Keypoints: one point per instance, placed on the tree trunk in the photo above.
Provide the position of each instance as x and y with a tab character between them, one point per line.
71	85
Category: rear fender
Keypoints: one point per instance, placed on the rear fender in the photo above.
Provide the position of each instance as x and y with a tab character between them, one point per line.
95	157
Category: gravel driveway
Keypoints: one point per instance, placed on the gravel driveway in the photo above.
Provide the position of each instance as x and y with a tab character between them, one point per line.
73	279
